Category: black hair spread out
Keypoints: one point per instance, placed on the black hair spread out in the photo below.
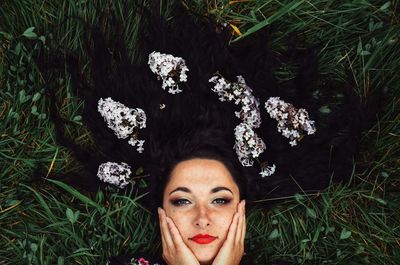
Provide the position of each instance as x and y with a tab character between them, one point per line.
195	123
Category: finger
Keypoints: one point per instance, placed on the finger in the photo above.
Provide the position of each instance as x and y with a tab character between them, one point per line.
239	206
239	228
230	238
245	223
168	244
164	243
242	224
174	232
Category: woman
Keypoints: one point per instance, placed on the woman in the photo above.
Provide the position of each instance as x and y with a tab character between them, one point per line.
206	141
203	221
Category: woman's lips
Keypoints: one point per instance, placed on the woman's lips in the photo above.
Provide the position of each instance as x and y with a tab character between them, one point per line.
203	239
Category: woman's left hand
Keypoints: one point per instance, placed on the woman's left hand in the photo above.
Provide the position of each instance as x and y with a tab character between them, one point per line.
232	250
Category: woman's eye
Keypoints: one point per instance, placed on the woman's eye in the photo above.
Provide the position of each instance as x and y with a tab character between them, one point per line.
180	202
221	201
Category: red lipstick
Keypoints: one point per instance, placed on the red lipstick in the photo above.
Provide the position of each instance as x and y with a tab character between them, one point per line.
203	239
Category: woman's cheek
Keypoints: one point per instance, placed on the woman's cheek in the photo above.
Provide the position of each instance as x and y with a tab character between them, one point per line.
225	220
180	221
174	214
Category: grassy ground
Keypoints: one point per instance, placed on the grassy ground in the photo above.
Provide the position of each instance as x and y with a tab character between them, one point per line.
50	223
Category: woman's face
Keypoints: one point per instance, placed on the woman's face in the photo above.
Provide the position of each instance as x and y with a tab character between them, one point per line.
201	197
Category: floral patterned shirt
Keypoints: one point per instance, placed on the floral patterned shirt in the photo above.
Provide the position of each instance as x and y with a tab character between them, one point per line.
145	259
134	260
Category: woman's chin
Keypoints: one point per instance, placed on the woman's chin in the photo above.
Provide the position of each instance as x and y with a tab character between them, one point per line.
205	254
205	261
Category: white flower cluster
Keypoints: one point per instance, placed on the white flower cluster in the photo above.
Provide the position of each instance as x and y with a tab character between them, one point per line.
170	69
267	171
292	122
241	94
114	173
123	120
247	145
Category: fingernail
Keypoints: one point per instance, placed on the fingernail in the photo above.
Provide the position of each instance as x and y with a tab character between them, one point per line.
159	210
168	222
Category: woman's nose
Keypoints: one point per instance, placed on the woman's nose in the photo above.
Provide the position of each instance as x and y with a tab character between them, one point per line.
202	219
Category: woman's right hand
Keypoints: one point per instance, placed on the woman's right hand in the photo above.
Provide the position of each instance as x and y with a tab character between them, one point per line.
175	251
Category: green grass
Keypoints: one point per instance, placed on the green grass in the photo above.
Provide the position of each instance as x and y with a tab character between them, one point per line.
50	223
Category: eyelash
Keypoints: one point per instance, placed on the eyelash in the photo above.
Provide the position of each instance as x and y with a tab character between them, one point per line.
180	202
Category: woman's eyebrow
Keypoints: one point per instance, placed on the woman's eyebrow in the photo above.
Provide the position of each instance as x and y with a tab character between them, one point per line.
214	190
219	188
184	189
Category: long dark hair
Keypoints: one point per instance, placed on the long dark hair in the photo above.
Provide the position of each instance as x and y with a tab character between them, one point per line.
194	123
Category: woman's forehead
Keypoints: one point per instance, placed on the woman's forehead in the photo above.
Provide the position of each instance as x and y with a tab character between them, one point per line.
200	173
